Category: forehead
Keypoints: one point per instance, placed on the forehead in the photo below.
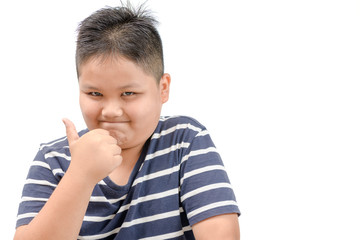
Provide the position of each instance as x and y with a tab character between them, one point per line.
103	58
105	61
112	69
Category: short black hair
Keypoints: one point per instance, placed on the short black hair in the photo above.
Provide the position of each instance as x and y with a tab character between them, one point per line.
121	32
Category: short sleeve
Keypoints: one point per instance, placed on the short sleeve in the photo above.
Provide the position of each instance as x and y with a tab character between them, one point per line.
39	185
204	184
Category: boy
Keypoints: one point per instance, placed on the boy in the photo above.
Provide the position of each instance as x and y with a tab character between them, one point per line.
132	174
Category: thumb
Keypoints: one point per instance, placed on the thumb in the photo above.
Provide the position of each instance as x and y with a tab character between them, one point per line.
71	132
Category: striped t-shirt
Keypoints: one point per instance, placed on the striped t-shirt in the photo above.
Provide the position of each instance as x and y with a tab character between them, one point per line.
178	181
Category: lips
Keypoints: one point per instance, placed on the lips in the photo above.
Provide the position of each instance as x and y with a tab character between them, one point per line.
112	124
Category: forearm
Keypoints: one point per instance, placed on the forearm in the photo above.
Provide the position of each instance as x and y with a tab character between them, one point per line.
93	156
62	215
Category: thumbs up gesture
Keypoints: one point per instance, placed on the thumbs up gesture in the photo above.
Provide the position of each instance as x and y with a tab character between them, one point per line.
94	155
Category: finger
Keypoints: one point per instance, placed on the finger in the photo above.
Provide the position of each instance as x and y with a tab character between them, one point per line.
111	140
116	150
71	132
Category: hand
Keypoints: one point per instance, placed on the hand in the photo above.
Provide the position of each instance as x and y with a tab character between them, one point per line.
94	155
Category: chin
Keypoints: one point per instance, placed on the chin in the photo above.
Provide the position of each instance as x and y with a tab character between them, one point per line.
119	136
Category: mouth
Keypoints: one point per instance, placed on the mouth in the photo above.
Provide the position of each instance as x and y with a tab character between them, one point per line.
113	125
117	129
113	122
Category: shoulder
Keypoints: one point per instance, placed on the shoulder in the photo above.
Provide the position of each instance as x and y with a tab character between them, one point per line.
177	132
57	144
179	123
54	155
180	119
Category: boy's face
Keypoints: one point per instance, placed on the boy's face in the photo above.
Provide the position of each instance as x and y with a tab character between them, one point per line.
118	96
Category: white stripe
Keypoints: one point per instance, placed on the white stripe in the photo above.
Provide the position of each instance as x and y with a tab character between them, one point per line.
201	170
98	219
58	171
40	164
26	215
47	166
198	152
173	129
104	199
151	218
149	198
204	189
167	131
187	228
27	199
102	182
57	154
167	150
39	182
99	236
202	133
163	119
50	144
156	175
92	199
210	206
169	235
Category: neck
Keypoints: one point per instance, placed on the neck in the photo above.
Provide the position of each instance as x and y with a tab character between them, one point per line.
121	174
131	155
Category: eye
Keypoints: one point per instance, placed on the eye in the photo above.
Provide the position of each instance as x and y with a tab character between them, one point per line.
95	94
127	93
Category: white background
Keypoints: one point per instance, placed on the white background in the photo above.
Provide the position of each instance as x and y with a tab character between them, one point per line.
276	83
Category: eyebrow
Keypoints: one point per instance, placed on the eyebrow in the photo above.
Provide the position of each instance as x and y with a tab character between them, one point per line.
88	86
131	85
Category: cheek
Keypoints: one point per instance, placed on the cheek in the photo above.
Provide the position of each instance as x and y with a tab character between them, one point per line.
89	110
145	109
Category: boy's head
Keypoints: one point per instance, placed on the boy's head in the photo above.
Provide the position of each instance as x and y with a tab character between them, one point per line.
120	70
121	32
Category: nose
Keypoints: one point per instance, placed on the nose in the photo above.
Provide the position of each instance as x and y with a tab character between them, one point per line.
112	109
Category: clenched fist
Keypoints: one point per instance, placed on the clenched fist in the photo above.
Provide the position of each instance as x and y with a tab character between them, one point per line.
94	155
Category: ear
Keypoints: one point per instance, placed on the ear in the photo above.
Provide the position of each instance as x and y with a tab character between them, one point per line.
164	86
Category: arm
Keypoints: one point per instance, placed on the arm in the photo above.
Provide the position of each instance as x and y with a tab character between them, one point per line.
61	217
94	156
206	194
221	227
